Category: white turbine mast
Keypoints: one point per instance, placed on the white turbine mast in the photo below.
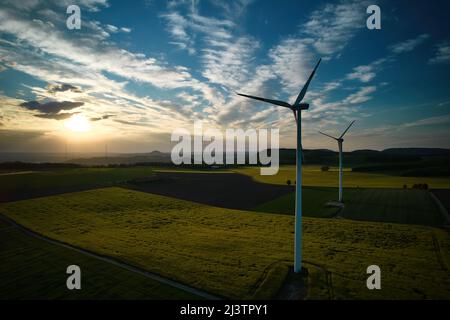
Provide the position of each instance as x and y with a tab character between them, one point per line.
296	108
340	141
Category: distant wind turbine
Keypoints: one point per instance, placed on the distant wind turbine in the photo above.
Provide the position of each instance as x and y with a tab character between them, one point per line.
340	142
296	108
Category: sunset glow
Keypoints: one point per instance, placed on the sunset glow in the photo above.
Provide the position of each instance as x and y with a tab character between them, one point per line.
78	123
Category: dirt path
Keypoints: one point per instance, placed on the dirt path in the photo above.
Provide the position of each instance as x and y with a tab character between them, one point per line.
120	264
16	173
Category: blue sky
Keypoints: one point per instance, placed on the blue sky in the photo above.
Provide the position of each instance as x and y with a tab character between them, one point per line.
136	71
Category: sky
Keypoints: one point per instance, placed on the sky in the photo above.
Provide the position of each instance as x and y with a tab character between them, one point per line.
138	70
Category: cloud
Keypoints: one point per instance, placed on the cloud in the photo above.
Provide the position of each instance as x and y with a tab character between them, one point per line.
333	25
112	28
333	85
442	54
362	73
135	66
291	60
104	117
28	5
409	45
429	121
51	107
91	5
227	62
56	116
53	88
184	29
362	95
233	8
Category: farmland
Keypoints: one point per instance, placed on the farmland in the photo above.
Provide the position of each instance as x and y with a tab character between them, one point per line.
313	176
31	268
240	254
46	182
408	206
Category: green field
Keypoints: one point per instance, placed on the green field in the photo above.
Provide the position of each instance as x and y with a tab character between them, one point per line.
313	176
408	206
241	254
314	200
67	178
31	268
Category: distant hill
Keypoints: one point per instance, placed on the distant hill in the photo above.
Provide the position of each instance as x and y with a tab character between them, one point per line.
152	157
399	161
418	151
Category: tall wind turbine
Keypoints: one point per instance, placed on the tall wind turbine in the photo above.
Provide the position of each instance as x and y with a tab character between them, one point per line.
340	142
296	108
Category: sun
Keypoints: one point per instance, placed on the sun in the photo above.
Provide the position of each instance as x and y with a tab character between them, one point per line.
78	123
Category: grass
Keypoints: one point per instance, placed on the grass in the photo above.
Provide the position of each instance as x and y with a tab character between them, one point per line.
314	199
240	254
31	268
313	176
67	178
393	205
408	206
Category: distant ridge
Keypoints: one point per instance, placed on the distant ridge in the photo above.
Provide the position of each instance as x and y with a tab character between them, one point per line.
418	151
287	156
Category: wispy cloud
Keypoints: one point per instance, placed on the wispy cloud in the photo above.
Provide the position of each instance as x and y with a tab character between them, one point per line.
53	88
291	58
362	73
442	54
227	62
428	121
361	96
332	26
410	44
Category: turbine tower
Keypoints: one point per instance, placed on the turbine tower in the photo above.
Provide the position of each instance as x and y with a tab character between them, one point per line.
340	142
296	108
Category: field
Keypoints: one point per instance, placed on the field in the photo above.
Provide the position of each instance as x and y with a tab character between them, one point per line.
313	176
34	269
239	254
314	200
408	206
47	182
226	190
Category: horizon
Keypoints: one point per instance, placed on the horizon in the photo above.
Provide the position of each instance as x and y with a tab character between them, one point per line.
168	152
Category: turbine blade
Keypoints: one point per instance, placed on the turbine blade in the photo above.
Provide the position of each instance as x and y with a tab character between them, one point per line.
295	115
277	102
302	93
328	135
347	128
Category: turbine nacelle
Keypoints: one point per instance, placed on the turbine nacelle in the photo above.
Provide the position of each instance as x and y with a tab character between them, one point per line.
301	106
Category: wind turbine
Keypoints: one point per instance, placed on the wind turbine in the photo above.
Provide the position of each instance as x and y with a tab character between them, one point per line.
296	108
340	142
